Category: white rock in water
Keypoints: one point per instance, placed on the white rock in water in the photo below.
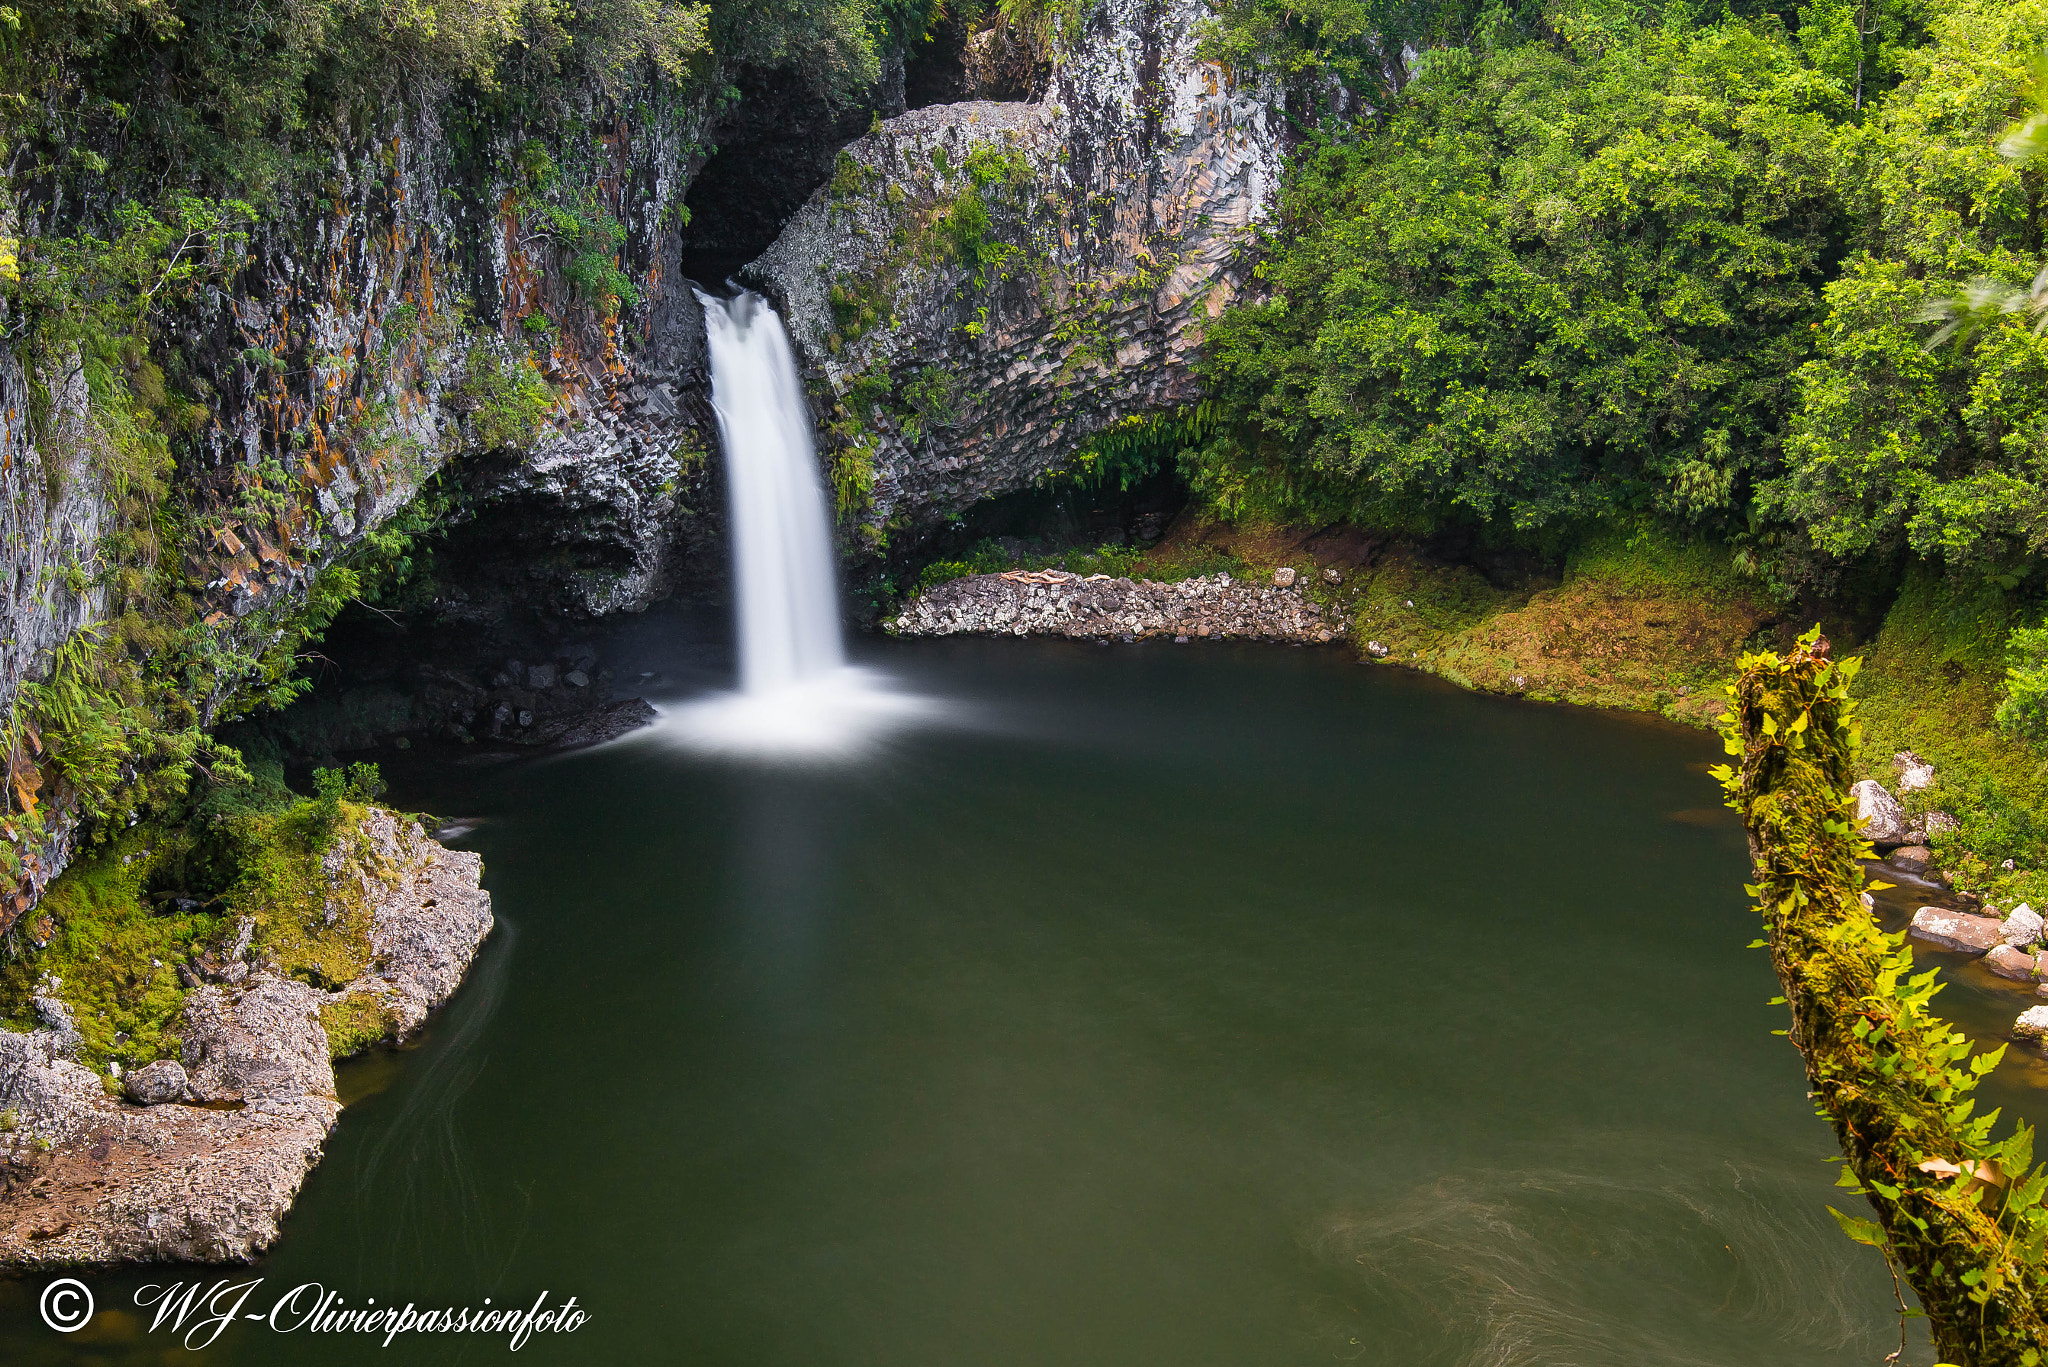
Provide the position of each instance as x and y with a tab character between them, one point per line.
2023	927
1877	812
2032	1024
1284	576
1957	930
1376	650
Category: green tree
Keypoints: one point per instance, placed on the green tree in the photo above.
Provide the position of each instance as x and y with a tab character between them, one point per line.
1897	448
1552	284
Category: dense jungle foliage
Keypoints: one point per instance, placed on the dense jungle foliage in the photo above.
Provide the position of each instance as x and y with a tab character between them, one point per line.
1585	262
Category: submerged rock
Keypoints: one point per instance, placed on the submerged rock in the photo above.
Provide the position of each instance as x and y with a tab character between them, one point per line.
1916	859
1957	930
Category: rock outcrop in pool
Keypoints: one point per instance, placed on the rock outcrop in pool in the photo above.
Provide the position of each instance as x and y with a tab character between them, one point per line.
200	1157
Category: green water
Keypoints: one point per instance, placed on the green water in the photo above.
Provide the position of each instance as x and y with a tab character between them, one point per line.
1162	1006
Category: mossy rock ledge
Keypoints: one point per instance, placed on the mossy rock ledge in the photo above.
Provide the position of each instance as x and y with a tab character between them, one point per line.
208	1173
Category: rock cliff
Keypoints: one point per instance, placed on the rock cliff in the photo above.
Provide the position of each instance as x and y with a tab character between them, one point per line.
503	310
985	286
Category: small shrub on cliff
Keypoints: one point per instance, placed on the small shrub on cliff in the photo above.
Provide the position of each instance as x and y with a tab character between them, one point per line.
506	400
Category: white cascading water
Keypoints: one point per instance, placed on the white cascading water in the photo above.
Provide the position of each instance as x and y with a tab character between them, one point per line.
783	582
798	696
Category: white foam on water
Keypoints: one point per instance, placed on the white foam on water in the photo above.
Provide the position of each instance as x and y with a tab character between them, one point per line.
841	714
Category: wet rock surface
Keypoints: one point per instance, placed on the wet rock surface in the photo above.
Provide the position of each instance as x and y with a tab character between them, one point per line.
1958	930
514	684
1055	603
204	1157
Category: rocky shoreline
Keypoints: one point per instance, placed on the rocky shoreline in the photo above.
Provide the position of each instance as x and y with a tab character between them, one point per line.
1097	607
2011	944
201	1156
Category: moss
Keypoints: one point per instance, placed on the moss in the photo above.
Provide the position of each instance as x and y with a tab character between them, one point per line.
353	1023
313	931
1958	1213
114	950
1647	621
1642	619
1931	683
113	935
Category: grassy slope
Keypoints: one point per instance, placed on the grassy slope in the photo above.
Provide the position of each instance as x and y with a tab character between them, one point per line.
1645	622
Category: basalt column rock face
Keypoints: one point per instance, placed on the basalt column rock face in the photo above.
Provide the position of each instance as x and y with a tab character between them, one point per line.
412	306
985	286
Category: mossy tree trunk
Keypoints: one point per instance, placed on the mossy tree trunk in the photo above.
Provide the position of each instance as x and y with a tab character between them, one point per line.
1957	1212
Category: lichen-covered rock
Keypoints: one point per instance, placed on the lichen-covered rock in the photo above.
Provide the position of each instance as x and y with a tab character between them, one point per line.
1914	772
256	1043
1878	813
2023	927
428	926
1055	603
2032	1024
1957	930
153	1084
1017	278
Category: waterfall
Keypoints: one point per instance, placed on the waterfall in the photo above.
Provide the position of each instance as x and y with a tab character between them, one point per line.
785	591
798	697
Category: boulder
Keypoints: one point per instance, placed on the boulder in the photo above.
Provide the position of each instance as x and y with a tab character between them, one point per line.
1912	858
1878	814
2032	1024
153	1084
1284	576
540	676
2023	927
1939	823
2008	962
1376	650
261	1043
1957	930
1914	772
